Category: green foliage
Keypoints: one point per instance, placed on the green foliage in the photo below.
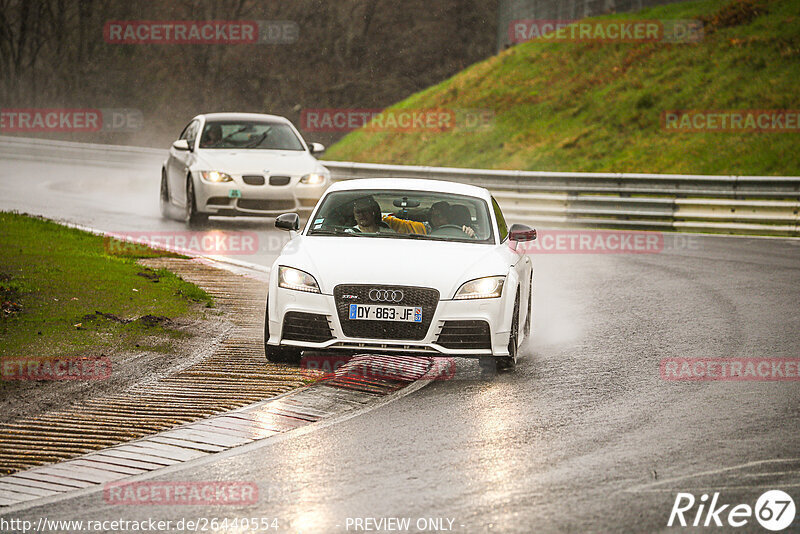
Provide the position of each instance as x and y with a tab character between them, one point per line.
595	106
63	292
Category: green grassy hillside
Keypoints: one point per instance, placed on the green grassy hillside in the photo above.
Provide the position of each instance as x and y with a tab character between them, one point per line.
596	106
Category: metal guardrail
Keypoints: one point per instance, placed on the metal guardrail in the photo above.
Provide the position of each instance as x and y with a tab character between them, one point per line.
761	205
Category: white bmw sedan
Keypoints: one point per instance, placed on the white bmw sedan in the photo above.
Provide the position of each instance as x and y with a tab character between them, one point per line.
241	164
401	265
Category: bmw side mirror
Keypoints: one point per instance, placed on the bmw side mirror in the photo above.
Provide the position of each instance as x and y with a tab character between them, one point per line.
288	221
521	233
181	144
316	148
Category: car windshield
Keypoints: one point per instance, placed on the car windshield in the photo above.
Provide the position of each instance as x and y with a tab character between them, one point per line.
403	215
249	134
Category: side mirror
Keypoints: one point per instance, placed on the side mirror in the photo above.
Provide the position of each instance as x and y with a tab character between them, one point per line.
181	144
316	148
521	232
288	221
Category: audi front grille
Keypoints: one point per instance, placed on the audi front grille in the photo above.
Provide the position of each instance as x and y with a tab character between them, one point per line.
427	298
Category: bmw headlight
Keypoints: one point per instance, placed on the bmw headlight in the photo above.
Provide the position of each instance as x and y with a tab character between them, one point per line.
291	278
481	288
315	178
215	176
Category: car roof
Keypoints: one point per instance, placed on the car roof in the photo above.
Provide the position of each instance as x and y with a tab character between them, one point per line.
416	184
243	117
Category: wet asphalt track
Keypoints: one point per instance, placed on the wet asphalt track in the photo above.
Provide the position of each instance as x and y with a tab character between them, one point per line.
583	436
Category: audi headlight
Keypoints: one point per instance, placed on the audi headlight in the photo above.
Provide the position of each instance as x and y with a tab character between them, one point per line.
291	278
315	178
481	288
215	176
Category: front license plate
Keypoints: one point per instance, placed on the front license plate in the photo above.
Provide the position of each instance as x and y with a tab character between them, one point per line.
406	314
234	193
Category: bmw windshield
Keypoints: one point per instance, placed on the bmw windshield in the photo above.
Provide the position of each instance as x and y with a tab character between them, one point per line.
403	215
249	134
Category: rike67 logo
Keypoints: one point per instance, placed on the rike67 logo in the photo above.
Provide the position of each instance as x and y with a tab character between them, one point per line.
774	510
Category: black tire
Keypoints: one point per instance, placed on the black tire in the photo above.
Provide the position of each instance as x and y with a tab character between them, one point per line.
163	197
527	328
510	361
278	354
192	217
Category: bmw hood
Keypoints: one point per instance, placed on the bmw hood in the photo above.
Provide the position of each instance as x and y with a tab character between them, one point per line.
283	162
335	260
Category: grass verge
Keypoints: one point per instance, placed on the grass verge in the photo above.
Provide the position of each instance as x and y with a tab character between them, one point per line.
65	293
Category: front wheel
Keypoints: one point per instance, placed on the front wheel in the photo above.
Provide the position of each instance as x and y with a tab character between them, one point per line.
281	354
278	354
510	361
192	216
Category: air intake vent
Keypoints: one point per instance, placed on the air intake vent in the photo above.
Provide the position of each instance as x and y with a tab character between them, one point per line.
265	205
253	179
279	180
312	327
465	335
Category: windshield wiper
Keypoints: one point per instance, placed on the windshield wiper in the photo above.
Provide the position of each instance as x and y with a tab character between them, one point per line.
405	236
240	130
332	231
257	142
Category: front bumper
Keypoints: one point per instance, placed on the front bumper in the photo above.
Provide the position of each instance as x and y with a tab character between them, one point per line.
239	198
493	311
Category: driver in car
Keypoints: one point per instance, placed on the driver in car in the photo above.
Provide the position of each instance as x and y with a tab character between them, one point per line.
441	213
367	214
212	136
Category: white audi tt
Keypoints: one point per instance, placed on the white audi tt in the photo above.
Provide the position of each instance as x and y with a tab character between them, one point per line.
241	164
401	265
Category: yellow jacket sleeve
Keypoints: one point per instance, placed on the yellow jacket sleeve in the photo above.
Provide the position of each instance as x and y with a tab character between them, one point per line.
403	226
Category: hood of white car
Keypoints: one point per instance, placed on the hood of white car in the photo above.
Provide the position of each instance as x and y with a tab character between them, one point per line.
248	161
334	260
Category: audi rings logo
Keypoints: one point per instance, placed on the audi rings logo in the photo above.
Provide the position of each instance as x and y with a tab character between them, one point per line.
385	295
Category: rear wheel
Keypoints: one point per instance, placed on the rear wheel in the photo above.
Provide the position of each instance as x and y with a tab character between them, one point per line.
192	216
163	197
277	354
527	328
